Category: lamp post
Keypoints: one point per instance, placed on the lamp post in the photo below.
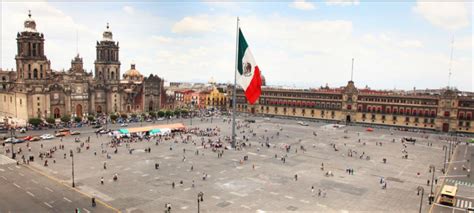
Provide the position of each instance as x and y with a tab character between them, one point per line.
191	113
200	198
433	169
420	188
12	141
445	148
72	157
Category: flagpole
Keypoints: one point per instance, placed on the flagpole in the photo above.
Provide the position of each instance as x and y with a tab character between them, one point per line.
235	84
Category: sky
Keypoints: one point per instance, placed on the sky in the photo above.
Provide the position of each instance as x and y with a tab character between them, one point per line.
395	45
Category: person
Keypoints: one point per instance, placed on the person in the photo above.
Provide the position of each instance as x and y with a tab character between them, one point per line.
312	190
102	180
105	165
319	192
157	165
93	202
172	185
296	177
115	177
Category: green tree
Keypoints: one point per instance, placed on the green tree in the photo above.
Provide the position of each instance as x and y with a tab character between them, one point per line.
124	116
91	118
184	112
161	113
144	115
50	120
66	118
169	113
152	114
113	117
77	119
35	121
134	115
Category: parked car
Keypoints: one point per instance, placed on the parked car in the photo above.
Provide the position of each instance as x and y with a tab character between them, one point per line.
35	139
160	119
75	133
23	130
123	125
98	130
47	137
302	123
27	138
97	126
14	140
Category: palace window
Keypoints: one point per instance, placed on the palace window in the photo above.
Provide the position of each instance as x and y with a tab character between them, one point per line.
468	116
407	119
446	113
461	115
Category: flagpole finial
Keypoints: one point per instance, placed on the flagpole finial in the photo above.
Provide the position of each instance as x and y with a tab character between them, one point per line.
29	13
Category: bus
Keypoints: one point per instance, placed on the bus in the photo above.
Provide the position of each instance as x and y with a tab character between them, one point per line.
448	195
63	132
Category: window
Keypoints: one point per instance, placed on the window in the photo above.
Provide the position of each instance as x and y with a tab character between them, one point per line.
407	119
460	123
373	116
468	123
416	120
446	113
383	117
394	118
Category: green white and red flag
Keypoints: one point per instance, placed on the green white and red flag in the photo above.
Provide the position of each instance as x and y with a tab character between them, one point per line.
248	73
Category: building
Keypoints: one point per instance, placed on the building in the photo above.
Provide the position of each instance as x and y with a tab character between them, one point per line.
35	90
447	111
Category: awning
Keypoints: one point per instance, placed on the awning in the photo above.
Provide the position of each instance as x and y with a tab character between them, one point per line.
155	131
124	131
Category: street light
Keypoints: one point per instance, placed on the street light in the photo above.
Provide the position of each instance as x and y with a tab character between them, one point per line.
445	148
200	198
420	188
432	169
72	157
191	115
12	141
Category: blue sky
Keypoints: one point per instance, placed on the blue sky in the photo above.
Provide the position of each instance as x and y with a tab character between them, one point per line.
301	44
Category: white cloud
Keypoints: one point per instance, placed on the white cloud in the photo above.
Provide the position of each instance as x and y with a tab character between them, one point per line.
343	2
194	24
447	15
410	44
129	10
302	5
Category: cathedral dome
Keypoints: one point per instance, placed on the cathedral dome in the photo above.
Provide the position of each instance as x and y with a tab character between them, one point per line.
132	74
30	24
107	35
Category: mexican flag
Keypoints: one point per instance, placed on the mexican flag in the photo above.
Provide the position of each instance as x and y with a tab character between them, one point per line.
248	74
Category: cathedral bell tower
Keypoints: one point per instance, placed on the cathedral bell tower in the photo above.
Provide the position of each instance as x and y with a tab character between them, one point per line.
107	64
31	63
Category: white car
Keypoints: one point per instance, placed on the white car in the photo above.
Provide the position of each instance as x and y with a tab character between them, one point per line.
160	119
123	124
46	136
302	123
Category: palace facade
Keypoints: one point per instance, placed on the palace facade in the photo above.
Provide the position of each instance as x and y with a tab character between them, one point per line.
446	111
35	90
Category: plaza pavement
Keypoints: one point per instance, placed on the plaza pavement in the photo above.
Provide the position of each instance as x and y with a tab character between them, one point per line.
270	187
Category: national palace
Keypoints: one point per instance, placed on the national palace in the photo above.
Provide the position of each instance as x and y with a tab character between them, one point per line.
35	90
446	110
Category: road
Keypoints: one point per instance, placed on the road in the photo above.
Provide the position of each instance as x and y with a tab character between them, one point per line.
456	175
24	190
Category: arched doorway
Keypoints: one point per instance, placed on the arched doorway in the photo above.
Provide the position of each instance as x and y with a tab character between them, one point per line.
128	108
150	106
348	118
99	109
57	113
79	110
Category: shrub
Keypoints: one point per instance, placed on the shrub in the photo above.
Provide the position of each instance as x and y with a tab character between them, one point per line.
35	121
66	118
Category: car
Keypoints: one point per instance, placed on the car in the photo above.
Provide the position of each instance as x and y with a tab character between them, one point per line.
22	130
302	123
35	139
98	130
46	136
60	134
75	133
123	125
160	119
97	126
148	120
14	140
27	138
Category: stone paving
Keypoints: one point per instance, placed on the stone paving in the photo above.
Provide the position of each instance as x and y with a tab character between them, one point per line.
271	186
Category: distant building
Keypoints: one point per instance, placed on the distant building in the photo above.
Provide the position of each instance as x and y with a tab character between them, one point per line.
35	90
447	110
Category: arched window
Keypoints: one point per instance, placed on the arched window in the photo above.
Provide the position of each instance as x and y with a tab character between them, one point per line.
56	113
35	74
112	75
461	115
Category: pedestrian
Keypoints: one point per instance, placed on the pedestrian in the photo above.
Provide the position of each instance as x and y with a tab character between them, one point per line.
428	182
93	202
319	192
312	191
324	192
296	177
105	165
102	180
172	185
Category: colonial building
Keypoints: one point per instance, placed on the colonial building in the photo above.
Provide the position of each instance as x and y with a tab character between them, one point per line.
35	90
448	111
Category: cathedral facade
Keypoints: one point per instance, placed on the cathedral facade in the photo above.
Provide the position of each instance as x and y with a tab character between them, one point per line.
34	90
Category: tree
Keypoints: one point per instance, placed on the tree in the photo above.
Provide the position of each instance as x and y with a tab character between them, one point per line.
77	119
113	117
91	118
134	115
35	121
161	113
124	116
143	115
169	113
50	120
177	112
152	114
65	118
184	112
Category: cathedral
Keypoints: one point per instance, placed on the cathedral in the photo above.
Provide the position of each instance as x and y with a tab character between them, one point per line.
34	90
